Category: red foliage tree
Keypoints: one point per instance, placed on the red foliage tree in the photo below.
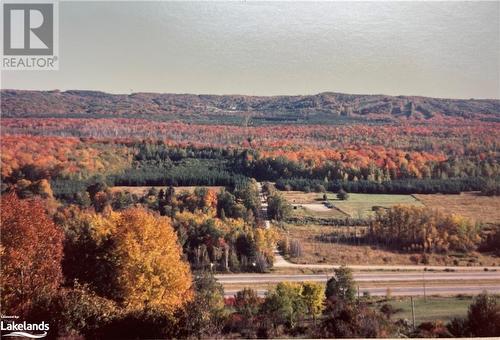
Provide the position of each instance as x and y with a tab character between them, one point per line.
31	252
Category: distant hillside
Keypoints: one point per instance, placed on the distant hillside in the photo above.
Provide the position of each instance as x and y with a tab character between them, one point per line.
18	103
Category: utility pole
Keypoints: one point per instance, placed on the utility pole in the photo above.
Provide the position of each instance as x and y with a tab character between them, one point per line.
412	311
423	281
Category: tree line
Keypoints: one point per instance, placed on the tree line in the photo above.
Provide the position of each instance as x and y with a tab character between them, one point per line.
410	186
423	229
148	163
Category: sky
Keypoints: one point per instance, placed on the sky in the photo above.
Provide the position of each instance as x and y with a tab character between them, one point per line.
437	49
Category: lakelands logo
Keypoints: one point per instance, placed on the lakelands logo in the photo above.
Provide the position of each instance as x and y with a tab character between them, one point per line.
30	35
24	329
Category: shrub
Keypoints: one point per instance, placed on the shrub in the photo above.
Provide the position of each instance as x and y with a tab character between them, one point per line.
435	329
295	249
278	208
459	327
261	264
342	195
484	316
319	188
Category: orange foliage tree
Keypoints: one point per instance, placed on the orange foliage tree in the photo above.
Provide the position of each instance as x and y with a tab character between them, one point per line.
31	253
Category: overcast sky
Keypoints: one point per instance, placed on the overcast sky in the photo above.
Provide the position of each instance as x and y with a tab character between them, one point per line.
445	49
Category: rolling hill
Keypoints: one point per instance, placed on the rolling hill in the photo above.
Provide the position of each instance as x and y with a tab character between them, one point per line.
22	103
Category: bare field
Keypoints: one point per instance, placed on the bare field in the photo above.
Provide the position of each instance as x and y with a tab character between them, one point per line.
300	197
316	251
477	208
313	210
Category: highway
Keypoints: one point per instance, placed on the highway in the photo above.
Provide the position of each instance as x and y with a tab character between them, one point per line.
252	278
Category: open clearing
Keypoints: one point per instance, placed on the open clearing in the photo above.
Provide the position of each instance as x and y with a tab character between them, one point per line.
361	205
317	251
477	208
431	309
357	206
140	191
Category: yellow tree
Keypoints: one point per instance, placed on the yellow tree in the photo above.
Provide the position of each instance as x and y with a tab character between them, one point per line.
132	257
150	270
290	301
314	297
266	239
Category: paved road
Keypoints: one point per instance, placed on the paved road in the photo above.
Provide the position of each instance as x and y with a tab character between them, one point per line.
358	277
412	291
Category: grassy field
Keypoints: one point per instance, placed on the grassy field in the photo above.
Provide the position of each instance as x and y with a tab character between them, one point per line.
478	208
361	205
140	191
431	309
357	206
316	250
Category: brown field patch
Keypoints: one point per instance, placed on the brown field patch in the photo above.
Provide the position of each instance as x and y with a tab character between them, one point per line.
316	251
484	209
300	197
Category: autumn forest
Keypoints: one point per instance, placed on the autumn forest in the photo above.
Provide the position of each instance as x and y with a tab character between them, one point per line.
84	247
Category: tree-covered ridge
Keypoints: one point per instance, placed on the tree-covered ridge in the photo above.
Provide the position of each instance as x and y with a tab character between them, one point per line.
293	108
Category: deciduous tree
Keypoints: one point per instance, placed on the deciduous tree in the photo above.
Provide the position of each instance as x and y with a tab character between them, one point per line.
341	286
151	272
31	253
314	298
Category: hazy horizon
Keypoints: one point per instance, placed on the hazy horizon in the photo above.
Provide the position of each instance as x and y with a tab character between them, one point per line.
431	49
243	94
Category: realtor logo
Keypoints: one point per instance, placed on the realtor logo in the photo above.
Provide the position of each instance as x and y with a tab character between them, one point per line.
30	29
